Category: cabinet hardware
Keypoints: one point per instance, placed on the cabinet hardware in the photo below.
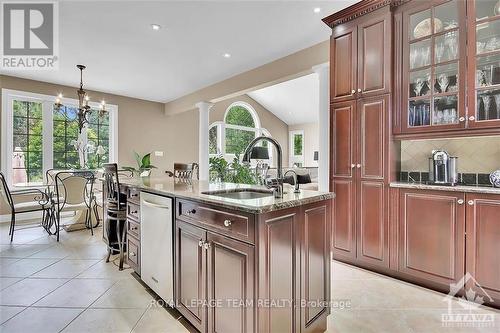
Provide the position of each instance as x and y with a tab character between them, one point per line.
134	195
200	243
227	223
358	165
132	254
192	211
134	212
461	119
359	90
133	228
471	202
206	246
353	92
151	204
472	118
353	166
460	201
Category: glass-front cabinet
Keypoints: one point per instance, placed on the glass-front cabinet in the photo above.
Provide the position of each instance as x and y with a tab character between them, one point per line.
484	63
434	48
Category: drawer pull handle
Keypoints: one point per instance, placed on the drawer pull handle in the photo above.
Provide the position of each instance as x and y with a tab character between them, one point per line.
133	228
192	211
227	223
134	212
359	90
132	254
134	194
206	246
200	243
151	204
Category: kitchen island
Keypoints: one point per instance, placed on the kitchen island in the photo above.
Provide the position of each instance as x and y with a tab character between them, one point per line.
245	261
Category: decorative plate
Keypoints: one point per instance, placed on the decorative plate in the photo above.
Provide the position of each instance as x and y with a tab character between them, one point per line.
424	28
495	178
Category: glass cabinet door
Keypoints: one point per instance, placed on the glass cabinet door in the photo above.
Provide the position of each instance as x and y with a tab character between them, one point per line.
434	66
484	68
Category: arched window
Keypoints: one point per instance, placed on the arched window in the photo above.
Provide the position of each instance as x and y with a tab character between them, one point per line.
231	136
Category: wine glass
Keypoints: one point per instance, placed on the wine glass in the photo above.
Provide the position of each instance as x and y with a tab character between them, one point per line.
443	82
439	52
486	102
417	86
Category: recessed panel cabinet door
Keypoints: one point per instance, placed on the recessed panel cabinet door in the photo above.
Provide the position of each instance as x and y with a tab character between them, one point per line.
343	138
432	236
230	285
343	68
190	281
374	55
483	245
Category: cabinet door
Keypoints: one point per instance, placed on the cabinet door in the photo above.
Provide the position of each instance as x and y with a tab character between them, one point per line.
230	285
343	138
432	236
343	62
374	54
344	233
483	244
190	282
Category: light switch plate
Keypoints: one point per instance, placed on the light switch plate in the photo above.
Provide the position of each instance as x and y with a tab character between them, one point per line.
159	153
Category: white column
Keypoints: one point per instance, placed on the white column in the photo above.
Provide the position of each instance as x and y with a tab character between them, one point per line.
323	72
204	109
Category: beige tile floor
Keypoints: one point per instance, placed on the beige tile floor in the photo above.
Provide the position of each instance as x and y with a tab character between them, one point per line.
47	287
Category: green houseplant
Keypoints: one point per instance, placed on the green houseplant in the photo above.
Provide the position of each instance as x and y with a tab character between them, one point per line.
234	172
144	165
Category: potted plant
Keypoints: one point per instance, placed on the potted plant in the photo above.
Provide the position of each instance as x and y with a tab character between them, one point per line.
144	165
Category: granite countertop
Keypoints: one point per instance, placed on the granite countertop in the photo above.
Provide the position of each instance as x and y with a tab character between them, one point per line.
457	188
194	190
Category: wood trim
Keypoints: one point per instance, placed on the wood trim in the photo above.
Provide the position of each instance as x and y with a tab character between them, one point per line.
352	12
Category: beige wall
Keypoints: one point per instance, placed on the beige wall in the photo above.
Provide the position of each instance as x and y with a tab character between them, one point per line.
475	155
311	141
283	69
142	125
275	126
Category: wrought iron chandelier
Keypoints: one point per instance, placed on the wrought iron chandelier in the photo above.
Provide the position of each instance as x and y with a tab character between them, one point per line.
83	104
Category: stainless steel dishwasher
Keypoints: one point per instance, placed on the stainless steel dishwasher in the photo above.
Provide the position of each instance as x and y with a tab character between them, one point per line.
157	244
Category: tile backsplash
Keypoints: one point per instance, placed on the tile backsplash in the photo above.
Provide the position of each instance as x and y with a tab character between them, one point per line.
475	155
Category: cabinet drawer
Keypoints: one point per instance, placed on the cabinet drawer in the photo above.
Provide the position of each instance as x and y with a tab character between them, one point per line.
133	253
133	211
133	228
133	194
228	222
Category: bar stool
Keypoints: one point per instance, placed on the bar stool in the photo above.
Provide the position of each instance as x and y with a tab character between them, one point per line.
115	212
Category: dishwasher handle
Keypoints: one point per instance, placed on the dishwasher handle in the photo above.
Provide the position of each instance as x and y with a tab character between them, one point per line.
151	204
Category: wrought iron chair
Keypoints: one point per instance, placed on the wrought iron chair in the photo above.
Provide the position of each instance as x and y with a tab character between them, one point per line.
74	191
39	203
184	171
115	204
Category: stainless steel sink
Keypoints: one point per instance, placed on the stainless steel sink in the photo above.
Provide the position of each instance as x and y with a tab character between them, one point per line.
241	194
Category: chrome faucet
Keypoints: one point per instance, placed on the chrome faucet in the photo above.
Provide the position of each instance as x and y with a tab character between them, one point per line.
278	185
295	180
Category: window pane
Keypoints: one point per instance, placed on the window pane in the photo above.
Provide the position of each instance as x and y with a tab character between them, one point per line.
20	109
35	143
212	140
238	115
20	125
20	142
297	144
237	140
65	131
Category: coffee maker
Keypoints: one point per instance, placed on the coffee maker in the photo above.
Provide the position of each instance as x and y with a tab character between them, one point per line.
443	168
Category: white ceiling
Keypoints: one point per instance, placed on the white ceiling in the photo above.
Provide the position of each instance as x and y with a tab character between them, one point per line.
126	57
294	102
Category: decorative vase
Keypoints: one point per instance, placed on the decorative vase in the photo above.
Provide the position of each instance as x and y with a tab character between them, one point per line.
495	178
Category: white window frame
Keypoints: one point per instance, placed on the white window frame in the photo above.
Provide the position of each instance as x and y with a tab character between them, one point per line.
8	97
292	157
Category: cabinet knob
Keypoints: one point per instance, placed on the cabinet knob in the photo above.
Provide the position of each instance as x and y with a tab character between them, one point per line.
359	90
353	92
227	223
132	254
461	119
192	211
460	201
472	118
200	243
206	246
358	165
353	166
471	202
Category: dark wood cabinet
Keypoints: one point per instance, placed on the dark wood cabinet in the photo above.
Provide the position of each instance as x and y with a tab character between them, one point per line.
483	245
190	274
360	138
230	269
361	57
432	236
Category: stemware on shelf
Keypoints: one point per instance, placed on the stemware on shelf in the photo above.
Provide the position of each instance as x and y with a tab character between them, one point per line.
443	82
